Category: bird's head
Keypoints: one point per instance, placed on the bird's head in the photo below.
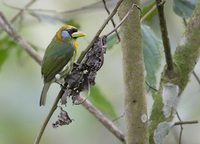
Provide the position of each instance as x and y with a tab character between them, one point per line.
68	32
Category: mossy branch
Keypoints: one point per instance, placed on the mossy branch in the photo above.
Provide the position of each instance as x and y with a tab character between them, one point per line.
187	54
185	58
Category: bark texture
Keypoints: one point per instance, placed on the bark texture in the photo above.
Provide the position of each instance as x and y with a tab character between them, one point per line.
133	67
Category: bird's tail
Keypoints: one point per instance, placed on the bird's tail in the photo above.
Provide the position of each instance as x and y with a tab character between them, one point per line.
44	93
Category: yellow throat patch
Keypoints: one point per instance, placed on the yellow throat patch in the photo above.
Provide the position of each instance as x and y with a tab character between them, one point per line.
75	44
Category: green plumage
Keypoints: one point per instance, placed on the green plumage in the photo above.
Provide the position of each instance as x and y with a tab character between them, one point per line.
60	51
57	55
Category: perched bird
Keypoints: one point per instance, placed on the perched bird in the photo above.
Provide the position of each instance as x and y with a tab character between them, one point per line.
62	49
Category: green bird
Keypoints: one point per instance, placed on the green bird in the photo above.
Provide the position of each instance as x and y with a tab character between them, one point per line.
62	49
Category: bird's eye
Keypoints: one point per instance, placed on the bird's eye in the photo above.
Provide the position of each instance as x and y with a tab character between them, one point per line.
74	30
65	34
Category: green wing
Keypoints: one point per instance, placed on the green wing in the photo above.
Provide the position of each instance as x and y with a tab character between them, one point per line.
57	55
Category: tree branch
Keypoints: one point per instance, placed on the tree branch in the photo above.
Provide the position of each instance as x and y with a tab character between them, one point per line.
100	30
22	10
165	100
165	38
193	72
181	123
147	14
104	120
4	24
44	124
123	19
112	20
91	108
186	122
133	69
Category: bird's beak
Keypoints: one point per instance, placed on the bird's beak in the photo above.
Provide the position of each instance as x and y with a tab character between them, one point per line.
78	34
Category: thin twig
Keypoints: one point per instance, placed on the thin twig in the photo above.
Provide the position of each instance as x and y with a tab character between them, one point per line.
184	22
21	11
77	10
148	13
79	60
112	20
165	38
100	30
122	21
151	87
44	124
94	5
185	122
126	16
181	127
4	24
33	54
91	108
180	135
19	14
27	9
196	77
181	123
119	117
104	120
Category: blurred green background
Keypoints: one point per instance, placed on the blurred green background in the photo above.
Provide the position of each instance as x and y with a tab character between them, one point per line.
21	82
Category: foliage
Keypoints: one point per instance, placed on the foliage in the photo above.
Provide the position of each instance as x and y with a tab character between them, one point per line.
152	52
111	41
101	102
147	9
184	8
6	44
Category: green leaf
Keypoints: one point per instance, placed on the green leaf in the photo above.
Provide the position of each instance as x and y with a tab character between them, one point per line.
111	41
184	8
101	102
3	56
152	54
149	9
5	48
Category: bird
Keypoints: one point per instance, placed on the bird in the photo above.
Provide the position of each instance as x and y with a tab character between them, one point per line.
62	49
